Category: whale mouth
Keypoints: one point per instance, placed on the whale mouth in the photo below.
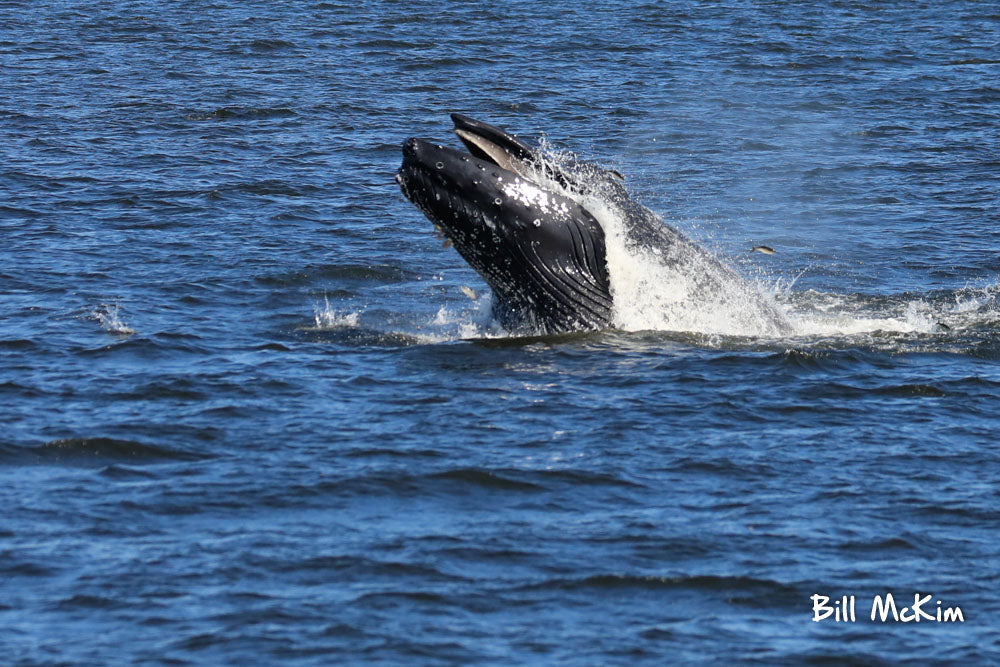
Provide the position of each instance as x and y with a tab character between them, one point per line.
485	149
491	144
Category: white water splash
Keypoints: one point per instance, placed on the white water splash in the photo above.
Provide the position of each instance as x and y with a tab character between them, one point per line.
109	316
473	319
835	314
328	318
666	289
657	291
829	314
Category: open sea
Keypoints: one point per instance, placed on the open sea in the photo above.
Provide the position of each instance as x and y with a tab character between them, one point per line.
250	416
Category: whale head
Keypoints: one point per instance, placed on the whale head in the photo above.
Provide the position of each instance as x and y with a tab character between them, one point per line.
541	252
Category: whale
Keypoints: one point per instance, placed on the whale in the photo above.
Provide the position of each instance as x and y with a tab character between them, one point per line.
534	229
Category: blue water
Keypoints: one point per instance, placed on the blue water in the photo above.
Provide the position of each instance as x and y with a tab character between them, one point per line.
250	417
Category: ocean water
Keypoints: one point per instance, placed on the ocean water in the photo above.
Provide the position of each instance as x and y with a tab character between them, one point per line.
250	416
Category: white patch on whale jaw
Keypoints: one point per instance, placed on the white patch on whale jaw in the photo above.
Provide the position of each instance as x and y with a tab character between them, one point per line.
532	196
527	194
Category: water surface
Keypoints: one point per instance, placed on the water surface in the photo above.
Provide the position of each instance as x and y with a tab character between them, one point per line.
249	415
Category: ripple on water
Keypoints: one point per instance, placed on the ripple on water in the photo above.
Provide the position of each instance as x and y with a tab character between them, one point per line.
94	451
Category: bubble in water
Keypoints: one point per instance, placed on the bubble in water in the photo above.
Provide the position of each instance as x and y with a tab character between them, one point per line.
439	165
498	201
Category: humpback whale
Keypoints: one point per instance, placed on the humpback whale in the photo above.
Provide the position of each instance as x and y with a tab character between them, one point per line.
530	227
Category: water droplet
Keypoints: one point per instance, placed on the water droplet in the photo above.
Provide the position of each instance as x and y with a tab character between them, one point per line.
439	165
